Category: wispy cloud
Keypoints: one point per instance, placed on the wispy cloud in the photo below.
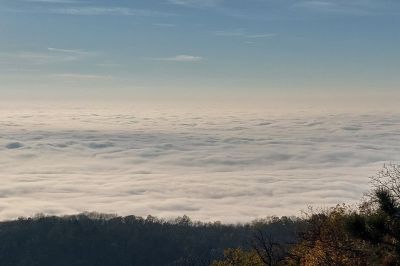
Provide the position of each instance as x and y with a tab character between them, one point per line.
78	76
69	51
36	58
57	1
102	11
39	57
242	33
79	10
164	25
231	32
50	56
181	58
316	4
339	7
262	35
108	65
197	3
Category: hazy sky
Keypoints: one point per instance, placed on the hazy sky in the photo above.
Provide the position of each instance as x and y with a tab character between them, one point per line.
170	49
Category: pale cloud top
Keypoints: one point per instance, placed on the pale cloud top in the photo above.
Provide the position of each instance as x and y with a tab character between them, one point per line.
211	165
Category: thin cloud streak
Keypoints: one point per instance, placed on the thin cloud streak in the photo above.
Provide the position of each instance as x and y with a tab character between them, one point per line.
180	58
164	25
107	11
52	56
242	33
357	8
197	3
69	51
57	1
78	76
90	11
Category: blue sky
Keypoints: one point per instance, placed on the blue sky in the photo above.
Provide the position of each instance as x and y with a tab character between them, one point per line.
174	48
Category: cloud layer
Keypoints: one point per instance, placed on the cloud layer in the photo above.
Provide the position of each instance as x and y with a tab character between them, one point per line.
234	166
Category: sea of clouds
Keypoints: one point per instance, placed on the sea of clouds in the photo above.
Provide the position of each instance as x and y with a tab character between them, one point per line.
231	166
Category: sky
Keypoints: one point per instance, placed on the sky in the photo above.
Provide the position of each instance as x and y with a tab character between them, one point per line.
199	49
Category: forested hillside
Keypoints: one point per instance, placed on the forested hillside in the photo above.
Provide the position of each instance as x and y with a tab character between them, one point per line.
96	239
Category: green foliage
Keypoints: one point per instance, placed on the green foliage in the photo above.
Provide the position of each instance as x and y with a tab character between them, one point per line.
387	202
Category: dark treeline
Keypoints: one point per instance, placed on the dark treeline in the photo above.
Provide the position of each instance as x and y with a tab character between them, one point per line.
99	239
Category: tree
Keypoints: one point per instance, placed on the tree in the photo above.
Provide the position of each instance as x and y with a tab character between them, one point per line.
269	251
378	223
324	241
239	257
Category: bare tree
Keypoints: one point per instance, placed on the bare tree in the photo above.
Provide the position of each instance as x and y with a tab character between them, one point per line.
388	179
270	251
